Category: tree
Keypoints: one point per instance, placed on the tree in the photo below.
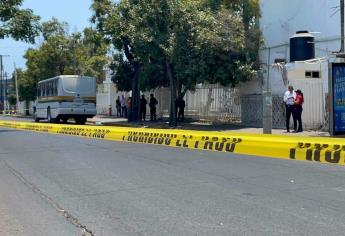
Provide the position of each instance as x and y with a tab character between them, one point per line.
54	28
199	45
118	22
250	12
20	24
60	54
175	42
26	88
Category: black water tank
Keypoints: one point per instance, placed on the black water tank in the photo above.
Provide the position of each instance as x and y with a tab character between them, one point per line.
302	46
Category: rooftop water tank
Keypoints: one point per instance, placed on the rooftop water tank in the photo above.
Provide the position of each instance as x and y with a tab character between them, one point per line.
302	46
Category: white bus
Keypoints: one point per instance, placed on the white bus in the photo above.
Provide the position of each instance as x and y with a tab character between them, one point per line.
64	97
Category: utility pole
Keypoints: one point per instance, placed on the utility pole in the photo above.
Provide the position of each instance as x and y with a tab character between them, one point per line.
267	100
16	84
342	26
1	81
1	85
5	94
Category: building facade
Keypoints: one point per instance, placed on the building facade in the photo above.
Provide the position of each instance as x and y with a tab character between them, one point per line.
280	20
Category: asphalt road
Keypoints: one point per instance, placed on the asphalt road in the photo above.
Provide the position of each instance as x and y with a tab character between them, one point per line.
59	185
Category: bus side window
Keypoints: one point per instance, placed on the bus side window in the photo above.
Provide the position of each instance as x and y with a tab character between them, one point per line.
44	90
52	87
55	88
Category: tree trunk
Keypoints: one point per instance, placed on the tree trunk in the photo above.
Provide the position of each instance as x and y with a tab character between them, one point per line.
173	115
135	113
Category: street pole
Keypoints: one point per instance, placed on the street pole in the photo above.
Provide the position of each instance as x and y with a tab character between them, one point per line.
342	26
5	94
1	85
267	101
16	82
1	81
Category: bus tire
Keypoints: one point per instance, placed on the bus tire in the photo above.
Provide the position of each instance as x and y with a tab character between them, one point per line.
80	120
36	119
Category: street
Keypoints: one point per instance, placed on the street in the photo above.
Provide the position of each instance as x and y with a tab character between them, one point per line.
59	185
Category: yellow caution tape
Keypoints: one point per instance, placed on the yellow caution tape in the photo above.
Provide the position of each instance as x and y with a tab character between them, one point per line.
323	150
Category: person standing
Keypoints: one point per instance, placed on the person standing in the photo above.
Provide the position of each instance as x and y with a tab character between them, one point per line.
118	107
143	103
289	100
123	106
153	103
129	109
181	104
299	109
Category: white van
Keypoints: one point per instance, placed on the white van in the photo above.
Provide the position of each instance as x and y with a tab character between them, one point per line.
64	97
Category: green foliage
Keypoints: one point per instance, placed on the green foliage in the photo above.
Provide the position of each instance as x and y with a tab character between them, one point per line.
178	42
204	41
20	24
62	54
26	86
54	28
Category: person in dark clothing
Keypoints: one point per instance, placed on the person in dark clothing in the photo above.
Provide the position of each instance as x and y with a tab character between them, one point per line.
118	107
128	110
299	109
153	103
123	106
289	100
181	104
143	103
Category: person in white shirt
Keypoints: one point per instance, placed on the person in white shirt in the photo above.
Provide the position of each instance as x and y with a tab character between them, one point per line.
289	100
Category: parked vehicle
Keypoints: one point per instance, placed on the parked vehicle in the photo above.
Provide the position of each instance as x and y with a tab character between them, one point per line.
64	97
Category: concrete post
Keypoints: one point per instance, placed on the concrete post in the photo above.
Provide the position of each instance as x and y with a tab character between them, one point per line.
267	112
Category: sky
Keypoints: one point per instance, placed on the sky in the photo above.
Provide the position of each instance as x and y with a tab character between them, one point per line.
75	12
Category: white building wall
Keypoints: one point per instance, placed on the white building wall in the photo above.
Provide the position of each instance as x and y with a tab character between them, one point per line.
282	18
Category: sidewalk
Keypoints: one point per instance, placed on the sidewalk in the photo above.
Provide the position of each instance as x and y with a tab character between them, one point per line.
197	125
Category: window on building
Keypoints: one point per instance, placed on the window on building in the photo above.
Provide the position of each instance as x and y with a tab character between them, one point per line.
312	74
315	74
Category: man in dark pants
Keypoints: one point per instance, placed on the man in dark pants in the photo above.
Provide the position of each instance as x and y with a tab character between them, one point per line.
118	107
181	104
289	100
143	103
153	103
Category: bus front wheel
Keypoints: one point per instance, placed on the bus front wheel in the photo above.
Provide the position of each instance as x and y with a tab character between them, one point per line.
49	116
36	119
80	120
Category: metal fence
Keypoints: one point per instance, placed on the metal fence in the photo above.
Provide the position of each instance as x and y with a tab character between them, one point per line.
212	102
225	104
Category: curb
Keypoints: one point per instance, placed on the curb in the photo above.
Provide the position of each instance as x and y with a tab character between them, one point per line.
313	149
